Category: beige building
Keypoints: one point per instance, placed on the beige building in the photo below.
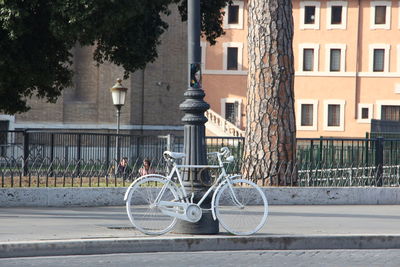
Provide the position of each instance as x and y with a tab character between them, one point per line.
347	66
347	63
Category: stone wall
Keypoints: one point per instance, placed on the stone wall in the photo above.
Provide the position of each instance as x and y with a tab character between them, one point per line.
153	98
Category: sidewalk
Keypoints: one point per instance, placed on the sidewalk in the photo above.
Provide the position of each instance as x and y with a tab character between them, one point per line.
90	230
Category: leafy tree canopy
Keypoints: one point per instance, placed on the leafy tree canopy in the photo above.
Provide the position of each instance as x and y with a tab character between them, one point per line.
36	37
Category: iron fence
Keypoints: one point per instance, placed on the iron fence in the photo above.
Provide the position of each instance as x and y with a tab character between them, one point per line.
96	173
40	158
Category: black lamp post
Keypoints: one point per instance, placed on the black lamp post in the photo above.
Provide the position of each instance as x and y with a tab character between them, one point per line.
194	129
118	93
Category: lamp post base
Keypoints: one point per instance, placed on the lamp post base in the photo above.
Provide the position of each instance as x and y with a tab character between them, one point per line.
206	226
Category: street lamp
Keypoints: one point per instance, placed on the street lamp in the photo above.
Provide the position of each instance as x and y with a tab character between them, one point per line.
194	127
118	93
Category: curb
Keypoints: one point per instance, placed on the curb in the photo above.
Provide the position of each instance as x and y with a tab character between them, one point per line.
196	243
98	196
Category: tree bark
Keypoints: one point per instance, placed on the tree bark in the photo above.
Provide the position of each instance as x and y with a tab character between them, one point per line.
270	146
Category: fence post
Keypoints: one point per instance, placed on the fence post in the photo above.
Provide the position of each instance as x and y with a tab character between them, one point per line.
51	153
379	160
78	152
25	162
320	149
107	150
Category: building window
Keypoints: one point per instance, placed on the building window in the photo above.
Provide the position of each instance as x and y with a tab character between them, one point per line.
233	14
380	14
232	57
379	57
309	15
334	115
306	114
308	59
335	60
233	18
335	57
390	113
307	110
336	15
232	63
364	113
231	110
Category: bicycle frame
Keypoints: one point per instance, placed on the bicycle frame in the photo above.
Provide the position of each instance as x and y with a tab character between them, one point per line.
184	199
156	209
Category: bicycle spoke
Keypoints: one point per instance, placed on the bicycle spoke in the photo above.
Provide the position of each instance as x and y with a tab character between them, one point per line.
245	217
142	212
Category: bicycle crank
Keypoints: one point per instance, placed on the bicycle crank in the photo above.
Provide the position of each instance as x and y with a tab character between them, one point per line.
181	210
193	213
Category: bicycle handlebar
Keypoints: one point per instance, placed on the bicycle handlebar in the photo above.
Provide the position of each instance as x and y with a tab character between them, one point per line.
224	152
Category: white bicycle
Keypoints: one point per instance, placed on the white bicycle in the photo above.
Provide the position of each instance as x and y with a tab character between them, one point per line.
155	202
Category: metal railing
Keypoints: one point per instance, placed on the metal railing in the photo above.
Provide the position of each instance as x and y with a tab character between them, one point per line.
69	173
41	158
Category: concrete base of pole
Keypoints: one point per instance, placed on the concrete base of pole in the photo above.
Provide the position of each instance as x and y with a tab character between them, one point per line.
206	226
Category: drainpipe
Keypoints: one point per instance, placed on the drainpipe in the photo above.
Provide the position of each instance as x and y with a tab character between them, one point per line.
357	84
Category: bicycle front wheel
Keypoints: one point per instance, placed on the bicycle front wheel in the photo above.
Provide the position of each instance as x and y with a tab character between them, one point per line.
141	208
241	207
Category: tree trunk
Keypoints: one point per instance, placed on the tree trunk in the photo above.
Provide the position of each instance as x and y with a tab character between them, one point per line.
270	146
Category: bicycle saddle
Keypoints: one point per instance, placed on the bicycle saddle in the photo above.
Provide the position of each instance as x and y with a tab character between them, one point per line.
174	155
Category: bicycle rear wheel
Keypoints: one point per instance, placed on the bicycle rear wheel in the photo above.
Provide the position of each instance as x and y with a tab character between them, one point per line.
241	207
143	214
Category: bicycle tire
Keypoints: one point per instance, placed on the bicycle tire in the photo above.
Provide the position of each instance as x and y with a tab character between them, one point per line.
139	205
244	220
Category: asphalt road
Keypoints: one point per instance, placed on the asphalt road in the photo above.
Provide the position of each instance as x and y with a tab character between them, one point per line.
24	224
309	258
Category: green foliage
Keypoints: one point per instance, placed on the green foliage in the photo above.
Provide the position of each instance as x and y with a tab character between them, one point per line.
36	37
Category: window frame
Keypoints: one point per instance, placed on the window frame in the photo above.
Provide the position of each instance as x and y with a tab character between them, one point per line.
386	48
380	103
239	113
239	46
342	106
301	102
341	26
342	48
370	112
314	26
301	57
238	25
385	26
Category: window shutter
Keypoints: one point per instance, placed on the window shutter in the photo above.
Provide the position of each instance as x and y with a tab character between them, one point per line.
333	115
335	60
308	60
379	59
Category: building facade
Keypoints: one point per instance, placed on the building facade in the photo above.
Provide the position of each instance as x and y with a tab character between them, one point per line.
153	98
347	66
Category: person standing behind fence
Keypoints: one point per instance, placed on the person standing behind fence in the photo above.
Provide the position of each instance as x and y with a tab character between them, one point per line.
146	168
123	168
